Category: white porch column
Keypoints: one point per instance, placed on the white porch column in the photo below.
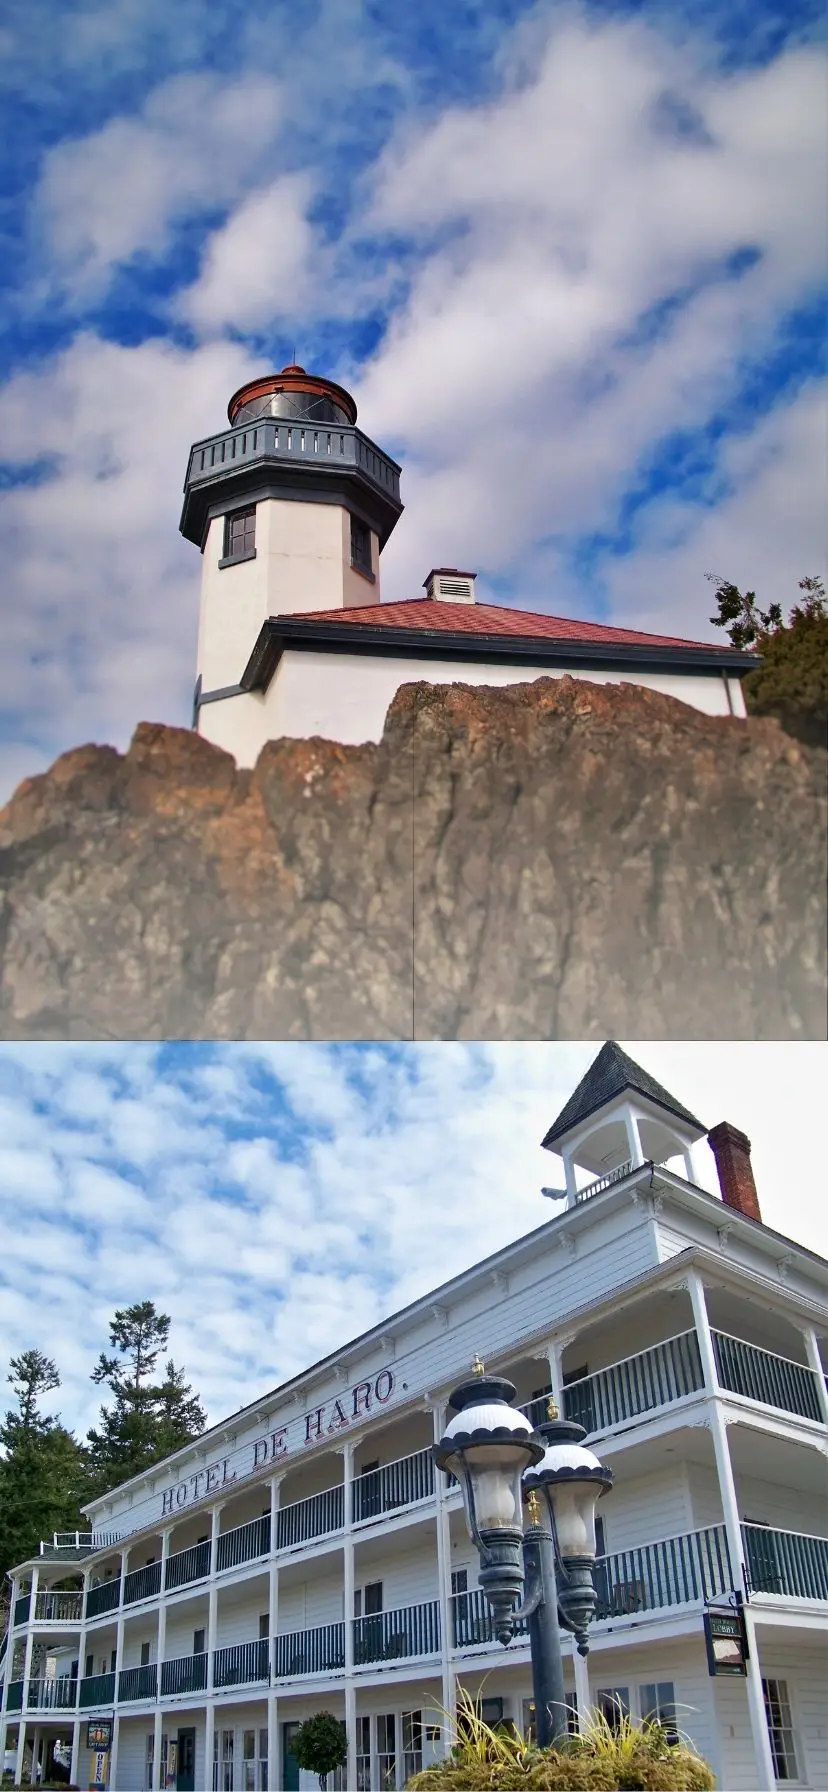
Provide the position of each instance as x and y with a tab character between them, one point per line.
157	1733
124	1554
633	1137
9	1661
212	1597
582	1692
113	1757
815	1362
569	1176
447	1675
209	1737
273	1628
348	1605
733	1532
75	1761
27	1670
35	1750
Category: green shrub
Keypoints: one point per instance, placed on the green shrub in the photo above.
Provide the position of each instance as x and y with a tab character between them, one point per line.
628	1758
320	1745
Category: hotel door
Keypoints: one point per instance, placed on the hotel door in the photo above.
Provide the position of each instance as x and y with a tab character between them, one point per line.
185	1781
290	1765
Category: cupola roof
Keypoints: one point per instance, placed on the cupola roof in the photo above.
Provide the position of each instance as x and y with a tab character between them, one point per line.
608	1076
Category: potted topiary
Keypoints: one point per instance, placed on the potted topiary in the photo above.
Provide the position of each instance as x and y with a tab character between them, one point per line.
320	1746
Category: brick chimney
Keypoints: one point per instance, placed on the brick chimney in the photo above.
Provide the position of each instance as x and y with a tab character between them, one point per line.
731	1149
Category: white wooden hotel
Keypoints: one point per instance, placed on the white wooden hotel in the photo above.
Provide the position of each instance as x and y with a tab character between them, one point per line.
305	1555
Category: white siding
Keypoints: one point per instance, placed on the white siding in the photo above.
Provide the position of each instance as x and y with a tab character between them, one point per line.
646	1510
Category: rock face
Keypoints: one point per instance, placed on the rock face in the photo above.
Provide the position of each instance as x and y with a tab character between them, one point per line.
553	860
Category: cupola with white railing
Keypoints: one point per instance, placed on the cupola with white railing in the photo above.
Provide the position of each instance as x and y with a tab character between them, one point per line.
450	586
618	1118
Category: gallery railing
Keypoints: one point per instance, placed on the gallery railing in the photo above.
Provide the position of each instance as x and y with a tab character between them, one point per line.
103	1598
787	1563
186	1673
395	1484
138	1683
58	1608
97	1689
58	1694
317	1651
395	1635
241	1664
762	1375
187	1565
315	1516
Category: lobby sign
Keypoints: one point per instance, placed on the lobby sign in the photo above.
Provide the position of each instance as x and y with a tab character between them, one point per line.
727	1645
323	1422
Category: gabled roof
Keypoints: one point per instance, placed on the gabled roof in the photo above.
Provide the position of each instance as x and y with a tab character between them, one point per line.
608	1076
433	616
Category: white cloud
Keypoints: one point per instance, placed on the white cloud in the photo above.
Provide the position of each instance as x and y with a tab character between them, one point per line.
272	1243
104	198
258	269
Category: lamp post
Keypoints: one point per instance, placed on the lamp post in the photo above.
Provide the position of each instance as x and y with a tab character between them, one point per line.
529	1500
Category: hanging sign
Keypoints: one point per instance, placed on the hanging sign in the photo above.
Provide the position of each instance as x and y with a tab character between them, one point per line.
727	1644
99	1734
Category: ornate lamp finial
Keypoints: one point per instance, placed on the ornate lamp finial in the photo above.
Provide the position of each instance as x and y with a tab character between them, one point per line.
478	1367
533	1508
553	1410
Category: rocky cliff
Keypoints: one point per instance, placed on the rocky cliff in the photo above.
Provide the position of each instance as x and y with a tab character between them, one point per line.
554	860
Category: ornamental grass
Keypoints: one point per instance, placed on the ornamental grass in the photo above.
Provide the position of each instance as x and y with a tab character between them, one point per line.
621	1757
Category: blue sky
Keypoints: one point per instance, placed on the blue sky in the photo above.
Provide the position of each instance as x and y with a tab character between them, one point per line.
278	1200
570	258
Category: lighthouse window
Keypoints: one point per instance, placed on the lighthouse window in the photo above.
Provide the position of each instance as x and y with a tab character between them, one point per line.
239	535
361	546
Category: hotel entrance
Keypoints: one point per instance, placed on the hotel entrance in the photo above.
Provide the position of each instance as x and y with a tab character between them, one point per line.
185	1778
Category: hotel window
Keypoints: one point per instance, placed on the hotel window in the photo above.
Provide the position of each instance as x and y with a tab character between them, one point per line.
780	1729
89	1667
386	1750
412	1741
363	1754
145	1655
658	1706
198	1642
361	547
254	1761
239	535
613	1703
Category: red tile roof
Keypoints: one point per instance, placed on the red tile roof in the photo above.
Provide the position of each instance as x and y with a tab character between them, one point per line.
432	616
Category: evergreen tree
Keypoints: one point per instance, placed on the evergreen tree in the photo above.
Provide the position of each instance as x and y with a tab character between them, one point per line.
792	681
147	1419
180	1413
42	1467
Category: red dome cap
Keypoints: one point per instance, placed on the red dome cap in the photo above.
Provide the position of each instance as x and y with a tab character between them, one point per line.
294	380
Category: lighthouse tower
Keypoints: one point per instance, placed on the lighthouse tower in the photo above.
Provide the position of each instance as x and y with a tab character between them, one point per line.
291	507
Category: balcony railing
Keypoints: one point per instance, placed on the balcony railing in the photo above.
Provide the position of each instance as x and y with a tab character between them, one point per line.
787	1563
242	1664
318	1651
187	1673
187	1565
395	1635
761	1375
682	1570
142	1583
601	1182
472	1620
138	1683
58	1608
97	1689
315	1516
58	1694
21	1608
396	1484
335	444
636	1385
243	1543
14	1701
103	1598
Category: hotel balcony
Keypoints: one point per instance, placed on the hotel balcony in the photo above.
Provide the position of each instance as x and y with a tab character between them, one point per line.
675	1574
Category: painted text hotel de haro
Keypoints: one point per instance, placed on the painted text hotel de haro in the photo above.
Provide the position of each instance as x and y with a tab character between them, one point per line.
306	1555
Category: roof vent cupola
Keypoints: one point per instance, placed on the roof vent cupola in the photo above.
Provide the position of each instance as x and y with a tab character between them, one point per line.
450	586
618	1118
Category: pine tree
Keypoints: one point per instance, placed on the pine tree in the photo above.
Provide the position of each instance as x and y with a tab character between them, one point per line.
792	681
42	1468
148	1419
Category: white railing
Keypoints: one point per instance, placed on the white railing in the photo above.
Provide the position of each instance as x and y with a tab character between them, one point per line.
58	1608
602	1182
80	1540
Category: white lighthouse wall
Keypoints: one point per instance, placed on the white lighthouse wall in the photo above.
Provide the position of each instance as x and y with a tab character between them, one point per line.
303	562
345	697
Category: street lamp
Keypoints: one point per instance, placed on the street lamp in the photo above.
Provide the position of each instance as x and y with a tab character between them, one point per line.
529	1500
